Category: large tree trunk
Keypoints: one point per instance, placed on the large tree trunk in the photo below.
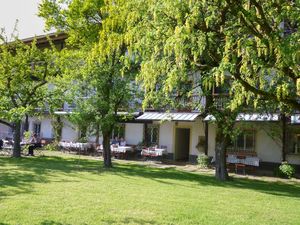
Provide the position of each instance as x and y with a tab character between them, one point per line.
57	125
106	150
220	151
17	140
83	132
97	134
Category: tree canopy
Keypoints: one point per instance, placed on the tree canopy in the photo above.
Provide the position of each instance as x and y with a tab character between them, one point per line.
186	48
106	66
25	71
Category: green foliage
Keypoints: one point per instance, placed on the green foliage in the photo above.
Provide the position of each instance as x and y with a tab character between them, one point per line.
24	72
27	135
105	79
52	146
203	161
286	170
261	51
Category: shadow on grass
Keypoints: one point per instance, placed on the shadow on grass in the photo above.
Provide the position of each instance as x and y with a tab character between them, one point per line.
126	220
51	222
23	173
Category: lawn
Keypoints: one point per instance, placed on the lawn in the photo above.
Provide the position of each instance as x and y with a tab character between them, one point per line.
55	190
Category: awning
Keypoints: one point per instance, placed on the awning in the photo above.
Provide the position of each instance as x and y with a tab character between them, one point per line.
134	114
63	112
168	116
251	117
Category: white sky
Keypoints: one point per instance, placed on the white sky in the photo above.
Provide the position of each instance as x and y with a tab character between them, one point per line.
29	24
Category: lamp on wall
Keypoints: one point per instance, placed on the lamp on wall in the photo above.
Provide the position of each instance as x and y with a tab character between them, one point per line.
176	123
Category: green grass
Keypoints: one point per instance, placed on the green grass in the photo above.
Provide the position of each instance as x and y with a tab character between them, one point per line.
56	190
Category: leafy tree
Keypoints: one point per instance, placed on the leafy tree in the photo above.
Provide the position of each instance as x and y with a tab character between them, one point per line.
262	51
255	44
25	71
179	43
105	72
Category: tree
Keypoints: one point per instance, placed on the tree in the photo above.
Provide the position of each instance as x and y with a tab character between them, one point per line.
262	50
180	43
106	73
255	44
25	71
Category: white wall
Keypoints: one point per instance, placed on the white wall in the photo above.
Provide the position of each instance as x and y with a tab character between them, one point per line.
69	133
46	128
134	133
196	129
266	148
5	131
166	135
293	158
211	139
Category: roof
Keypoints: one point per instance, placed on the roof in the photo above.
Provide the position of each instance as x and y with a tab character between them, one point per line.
187	116
45	38
63	112
251	117
135	114
118	113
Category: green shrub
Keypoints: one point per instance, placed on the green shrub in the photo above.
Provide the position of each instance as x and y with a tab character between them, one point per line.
52	147
286	170
203	161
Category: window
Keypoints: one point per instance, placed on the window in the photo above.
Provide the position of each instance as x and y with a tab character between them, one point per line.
152	134
245	141
37	128
297	144
119	131
293	140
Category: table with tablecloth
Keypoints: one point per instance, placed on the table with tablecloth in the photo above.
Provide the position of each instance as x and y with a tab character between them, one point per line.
77	146
154	152
247	160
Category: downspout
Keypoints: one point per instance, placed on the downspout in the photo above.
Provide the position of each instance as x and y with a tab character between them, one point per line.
206	138
283	140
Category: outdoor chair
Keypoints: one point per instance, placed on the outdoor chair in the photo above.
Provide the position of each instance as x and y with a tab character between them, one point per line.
40	150
240	165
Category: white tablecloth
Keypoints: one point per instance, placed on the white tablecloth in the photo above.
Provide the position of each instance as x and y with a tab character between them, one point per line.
154	152
122	149
75	145
248	160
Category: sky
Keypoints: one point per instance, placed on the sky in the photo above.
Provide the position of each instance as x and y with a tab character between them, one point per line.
25	11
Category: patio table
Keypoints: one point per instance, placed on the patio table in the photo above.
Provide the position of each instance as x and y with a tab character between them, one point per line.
122	149
234	159
247	160
154	152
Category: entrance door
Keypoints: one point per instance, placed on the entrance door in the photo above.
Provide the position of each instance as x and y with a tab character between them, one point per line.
182	144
